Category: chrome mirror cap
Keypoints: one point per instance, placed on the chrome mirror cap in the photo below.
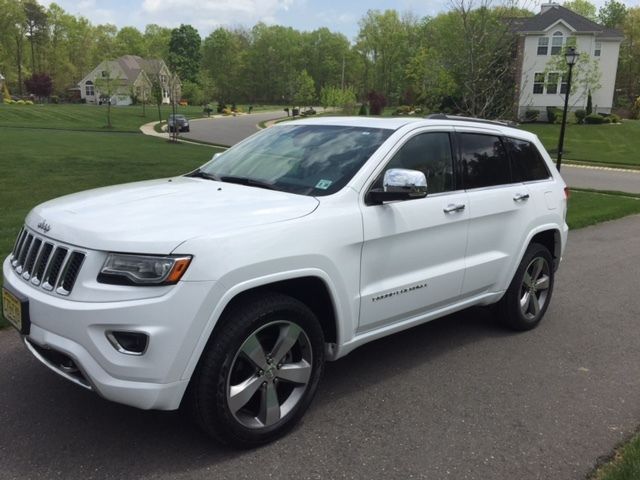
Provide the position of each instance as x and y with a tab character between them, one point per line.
403	180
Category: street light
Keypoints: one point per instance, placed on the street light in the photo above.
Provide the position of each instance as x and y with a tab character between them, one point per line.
571	56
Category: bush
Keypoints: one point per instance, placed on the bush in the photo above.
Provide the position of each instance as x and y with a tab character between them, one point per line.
615	118
8	101
403	110
554	115
635	109
377	102
594	119
54	99
531	115
20	102
28	102
363	110
580	115
589	104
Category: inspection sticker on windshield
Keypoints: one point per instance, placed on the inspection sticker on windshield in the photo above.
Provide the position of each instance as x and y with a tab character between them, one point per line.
323	184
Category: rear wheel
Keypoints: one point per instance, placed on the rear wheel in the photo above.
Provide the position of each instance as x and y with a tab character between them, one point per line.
527	298
260	372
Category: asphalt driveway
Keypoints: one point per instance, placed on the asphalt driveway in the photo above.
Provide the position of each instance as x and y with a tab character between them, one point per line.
458	398
229	130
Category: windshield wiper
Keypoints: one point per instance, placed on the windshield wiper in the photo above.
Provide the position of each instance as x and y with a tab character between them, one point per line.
202	174
247	181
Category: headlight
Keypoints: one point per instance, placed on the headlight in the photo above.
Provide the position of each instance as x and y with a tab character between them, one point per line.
125	269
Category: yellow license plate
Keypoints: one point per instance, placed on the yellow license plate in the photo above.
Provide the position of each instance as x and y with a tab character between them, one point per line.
12	309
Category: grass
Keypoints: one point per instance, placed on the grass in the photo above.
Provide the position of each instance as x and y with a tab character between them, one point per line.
624	465
93	117
612	145
588	207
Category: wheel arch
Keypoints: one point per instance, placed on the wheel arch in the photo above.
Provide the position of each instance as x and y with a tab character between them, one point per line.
312	287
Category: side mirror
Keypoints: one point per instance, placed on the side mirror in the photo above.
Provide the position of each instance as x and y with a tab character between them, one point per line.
216	155
399	184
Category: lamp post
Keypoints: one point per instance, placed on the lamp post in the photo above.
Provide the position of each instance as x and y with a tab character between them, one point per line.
571	56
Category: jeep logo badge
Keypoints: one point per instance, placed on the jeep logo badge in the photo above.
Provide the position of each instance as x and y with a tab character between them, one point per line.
44	226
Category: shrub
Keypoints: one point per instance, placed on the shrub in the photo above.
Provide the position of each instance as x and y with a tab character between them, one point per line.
377	102
363	110
635	109
589	104
54	99
580	115
615	118
403	110
7	101
554	114
20	102
594	119
531	115
28	102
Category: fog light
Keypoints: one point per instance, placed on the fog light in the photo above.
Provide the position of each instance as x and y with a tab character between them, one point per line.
129	343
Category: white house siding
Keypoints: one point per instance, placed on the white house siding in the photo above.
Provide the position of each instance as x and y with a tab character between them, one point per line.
532	63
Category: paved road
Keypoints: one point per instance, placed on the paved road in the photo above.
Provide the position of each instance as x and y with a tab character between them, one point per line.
619	180
458	398
228	130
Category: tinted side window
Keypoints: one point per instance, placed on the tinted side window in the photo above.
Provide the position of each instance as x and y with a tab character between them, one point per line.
429	153
526	162
484	161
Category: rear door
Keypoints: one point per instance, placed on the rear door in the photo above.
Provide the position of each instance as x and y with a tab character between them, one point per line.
413	252
500	209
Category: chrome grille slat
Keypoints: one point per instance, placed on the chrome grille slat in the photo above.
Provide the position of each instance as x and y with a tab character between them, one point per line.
31	258
46	264
41	263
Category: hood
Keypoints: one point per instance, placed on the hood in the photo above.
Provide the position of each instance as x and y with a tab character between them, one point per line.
156	216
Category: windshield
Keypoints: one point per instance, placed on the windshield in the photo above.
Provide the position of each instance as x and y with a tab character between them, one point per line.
304	159
176	117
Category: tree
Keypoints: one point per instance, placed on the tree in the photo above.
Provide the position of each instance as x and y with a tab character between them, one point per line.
586	74
305	92
222	59
156	39
106	87
12	33
129	41
36	26
39	84
612	14
474	44
582	7
184	52
428	78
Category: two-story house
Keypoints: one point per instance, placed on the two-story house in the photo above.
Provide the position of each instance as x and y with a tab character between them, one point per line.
547	34
129	76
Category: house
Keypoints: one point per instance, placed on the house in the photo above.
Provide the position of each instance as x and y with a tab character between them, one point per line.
542	38
125	79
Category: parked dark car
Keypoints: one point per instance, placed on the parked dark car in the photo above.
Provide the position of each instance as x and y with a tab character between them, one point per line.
178	122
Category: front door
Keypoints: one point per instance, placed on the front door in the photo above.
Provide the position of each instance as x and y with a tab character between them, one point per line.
413	252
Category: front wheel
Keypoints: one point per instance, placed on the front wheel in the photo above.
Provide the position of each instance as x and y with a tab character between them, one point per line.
259	372
528	296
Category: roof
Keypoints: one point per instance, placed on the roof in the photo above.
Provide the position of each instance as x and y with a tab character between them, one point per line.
395	123
553	13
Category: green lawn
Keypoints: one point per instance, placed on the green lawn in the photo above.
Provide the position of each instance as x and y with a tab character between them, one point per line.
625	464
613	145
94	117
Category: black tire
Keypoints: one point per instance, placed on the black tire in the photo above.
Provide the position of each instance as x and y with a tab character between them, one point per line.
186	129
223	366
524	304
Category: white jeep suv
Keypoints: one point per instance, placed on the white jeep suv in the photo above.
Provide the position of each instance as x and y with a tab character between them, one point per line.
227	288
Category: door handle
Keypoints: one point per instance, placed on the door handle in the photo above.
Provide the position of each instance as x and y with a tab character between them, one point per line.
451	208
520	197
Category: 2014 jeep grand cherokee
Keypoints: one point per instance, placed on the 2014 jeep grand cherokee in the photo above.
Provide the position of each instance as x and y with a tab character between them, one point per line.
230	286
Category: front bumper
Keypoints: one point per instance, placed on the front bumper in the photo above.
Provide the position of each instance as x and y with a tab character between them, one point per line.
173	322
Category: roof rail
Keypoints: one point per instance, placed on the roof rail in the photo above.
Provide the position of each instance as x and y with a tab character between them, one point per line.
444	116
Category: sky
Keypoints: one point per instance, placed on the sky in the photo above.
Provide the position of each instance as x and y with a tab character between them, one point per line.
206	15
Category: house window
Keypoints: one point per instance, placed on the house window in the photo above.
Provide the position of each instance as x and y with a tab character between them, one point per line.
557	42
598	49
552	82
88	89
538	83
543	45
163	79
571	42
563	83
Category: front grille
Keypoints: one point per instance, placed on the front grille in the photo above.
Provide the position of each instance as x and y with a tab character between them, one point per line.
45	264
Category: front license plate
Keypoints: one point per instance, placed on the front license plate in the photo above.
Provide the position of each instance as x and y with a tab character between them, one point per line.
15	311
